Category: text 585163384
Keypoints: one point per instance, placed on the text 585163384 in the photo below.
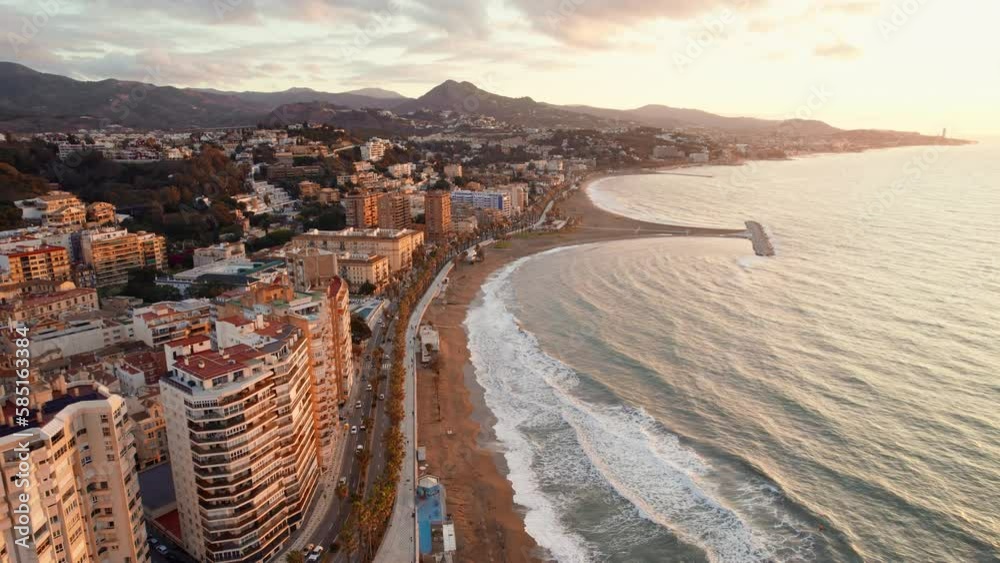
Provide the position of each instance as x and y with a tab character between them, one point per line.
22	417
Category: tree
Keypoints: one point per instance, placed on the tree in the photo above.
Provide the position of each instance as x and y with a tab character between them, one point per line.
360	330
142	284
366	288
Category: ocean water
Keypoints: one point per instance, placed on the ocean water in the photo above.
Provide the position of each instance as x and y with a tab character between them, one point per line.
683	400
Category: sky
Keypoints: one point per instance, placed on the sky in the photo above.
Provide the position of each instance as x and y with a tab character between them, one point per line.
914	65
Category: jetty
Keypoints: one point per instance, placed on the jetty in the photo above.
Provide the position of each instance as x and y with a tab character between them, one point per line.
761	240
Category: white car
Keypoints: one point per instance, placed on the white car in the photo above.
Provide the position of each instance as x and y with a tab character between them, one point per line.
360	448
354	430
161	549
357	405
369	387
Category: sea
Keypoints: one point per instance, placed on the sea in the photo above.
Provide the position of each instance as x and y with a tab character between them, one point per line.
682	400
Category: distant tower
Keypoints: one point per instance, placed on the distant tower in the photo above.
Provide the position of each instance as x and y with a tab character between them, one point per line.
944	133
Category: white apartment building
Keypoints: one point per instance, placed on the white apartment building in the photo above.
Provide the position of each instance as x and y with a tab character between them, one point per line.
374	149
243	444
172	320
82	491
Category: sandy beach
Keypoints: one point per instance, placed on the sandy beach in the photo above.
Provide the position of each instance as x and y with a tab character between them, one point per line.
455	426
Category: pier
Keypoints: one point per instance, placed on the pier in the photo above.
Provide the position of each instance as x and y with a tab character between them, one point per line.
761	241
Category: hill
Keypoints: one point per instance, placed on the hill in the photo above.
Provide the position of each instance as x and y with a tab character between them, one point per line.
355	99
36	101
467	98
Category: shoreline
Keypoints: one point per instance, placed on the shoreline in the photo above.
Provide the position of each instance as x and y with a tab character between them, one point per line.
456	425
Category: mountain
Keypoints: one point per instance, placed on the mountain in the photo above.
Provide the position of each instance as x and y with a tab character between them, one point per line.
362	122
357	99
467	98
36	101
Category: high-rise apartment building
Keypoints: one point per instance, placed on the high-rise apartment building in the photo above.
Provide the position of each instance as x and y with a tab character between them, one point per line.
45	262
362	209
437	215
80	493
242	434
324	317
113	253
393	211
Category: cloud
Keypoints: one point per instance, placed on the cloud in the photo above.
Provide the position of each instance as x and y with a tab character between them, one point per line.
839	50
596	23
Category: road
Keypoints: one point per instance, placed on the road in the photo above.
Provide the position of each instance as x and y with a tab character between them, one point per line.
399	544
335	511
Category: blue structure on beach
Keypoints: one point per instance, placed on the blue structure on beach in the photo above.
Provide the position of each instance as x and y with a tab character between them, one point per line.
430	509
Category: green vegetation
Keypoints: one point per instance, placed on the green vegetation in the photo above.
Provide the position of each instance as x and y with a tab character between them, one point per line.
360	331
323	217
142	284
276	237
164	197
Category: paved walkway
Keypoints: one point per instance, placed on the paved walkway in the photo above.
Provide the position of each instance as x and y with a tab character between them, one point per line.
399	544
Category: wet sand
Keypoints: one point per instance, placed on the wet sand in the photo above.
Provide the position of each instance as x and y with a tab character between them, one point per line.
488	525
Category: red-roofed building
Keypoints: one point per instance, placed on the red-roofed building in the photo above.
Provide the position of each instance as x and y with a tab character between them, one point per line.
241	428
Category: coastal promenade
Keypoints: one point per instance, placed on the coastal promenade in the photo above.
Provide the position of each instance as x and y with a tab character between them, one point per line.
400	542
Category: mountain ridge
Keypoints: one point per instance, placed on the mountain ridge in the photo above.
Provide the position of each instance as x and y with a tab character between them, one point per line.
35	101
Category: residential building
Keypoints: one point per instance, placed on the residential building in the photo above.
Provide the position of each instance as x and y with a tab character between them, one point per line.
50	306
374	149
82	497
218	252
62	209
166	321
150	429
437	215
45	262
395	244
78	333
393	211
324	318
667	151
232	271
359	269
311	268
113	253
328	196
101	213
308	189
241	430
453	171
483	200
362	209
518	194
401	170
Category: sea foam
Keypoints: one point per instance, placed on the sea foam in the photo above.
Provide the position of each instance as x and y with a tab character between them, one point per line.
622	448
